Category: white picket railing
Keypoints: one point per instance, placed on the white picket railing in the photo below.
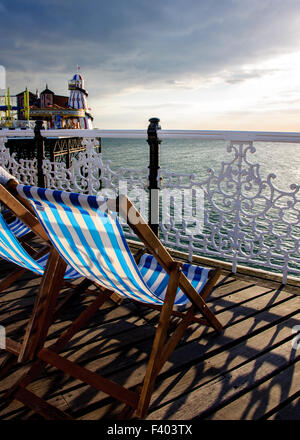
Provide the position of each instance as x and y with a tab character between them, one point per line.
246	219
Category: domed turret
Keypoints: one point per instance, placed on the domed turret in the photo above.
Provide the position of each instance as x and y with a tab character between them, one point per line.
78	99
77	82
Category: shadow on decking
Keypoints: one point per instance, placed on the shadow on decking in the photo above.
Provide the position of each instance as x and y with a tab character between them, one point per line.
249	371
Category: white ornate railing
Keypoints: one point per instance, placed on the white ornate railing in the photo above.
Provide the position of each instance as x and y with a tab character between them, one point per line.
87	174
25	170
246	219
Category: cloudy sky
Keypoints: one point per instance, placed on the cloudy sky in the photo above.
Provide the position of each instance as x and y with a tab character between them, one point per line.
195	64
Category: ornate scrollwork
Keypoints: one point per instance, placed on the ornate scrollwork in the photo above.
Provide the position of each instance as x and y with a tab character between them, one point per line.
24	170
247	219
244	219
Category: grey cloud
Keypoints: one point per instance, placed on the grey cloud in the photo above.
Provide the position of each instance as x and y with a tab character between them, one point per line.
122	44
241	76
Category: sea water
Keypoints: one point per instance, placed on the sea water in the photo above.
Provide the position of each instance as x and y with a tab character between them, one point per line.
196	156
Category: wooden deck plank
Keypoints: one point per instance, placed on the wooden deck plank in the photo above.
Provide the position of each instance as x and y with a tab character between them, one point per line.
240	370
226	364
201	328
183	358
82	391
257	322
230	305
130	375
171	388
289	410
263	398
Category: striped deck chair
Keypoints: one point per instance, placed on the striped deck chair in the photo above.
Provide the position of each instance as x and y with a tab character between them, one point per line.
39	262
157	278
24	224
15	224
86	232
18	228
17	214
12	251
20	219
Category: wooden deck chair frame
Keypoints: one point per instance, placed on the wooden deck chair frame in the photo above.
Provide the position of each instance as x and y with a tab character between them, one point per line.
45	304
136	402
21	209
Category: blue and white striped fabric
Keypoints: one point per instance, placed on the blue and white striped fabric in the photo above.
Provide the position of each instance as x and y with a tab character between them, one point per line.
157	278
91	241
70	274
18	228
11	250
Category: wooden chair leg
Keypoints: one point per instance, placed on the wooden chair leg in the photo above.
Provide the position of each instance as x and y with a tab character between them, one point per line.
176	337
159	341
128	211
128	412
45	303
93	379
162	350
38	365
211	282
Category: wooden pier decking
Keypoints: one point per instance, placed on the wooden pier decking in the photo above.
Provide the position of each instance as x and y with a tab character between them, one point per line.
250	371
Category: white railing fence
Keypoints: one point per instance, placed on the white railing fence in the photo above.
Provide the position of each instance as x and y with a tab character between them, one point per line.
245	218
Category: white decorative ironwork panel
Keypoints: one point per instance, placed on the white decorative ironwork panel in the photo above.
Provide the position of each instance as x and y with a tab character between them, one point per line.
24	170
89	174
246	218
83	176
232	214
